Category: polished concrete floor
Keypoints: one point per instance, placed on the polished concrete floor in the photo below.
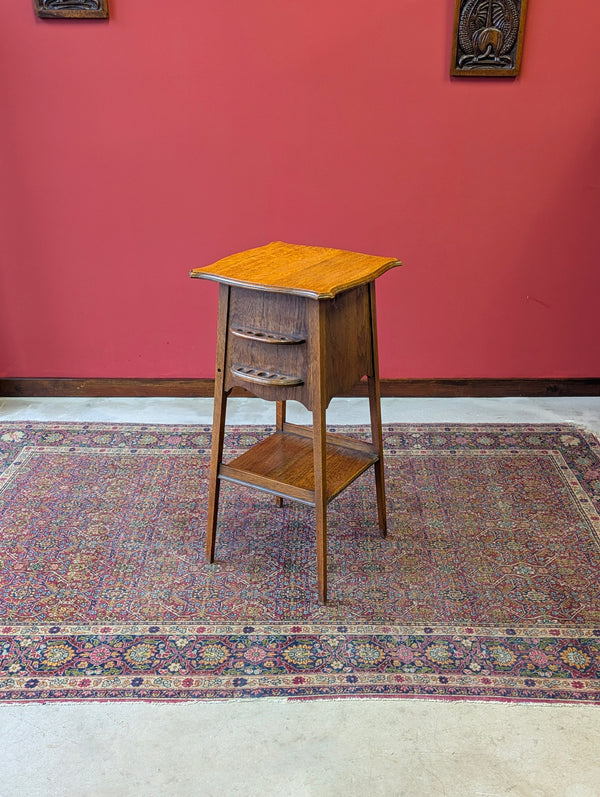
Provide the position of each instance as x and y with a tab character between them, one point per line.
275	747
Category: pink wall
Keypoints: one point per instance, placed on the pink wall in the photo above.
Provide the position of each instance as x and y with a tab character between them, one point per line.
181	131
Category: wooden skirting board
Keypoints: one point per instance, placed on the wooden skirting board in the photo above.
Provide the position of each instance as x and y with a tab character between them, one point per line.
392	388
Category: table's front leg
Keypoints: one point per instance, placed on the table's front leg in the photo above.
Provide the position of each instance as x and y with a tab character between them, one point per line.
319	405
218	430
320	467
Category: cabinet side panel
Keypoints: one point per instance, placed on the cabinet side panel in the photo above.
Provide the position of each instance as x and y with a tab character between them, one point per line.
348	340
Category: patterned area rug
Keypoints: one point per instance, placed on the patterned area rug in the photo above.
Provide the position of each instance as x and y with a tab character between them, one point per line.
487	586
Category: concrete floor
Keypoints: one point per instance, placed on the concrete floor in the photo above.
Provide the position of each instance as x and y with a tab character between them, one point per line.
273	747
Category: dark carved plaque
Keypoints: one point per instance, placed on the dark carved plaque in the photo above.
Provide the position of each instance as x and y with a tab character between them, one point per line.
488	37
74	9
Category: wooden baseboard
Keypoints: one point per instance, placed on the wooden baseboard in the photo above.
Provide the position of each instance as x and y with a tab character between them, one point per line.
392	388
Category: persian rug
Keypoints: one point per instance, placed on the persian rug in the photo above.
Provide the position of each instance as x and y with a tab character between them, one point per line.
487	586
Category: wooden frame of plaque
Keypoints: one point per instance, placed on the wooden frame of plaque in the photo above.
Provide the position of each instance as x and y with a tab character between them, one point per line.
488	38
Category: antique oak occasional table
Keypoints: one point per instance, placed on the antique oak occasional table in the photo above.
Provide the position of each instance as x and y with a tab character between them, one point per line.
297	323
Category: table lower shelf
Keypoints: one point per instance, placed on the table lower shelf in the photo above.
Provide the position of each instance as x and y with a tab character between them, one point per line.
283	464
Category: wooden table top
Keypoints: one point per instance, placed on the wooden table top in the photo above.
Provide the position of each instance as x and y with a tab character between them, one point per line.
313	271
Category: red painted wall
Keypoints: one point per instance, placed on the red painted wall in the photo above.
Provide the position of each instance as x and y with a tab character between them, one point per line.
182	131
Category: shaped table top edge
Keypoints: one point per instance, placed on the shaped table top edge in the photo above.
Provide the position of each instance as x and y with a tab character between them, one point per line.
306	279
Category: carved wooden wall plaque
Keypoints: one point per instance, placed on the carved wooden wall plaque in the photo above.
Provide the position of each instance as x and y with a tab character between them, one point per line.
71	9
488	38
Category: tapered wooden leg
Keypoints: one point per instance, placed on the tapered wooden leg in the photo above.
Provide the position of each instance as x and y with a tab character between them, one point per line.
319	449
319	405
214	484
377	439
218	431
279	421
280	408
375	413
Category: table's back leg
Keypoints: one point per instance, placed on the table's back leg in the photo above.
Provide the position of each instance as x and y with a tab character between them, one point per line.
280	413
375	413
218	430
